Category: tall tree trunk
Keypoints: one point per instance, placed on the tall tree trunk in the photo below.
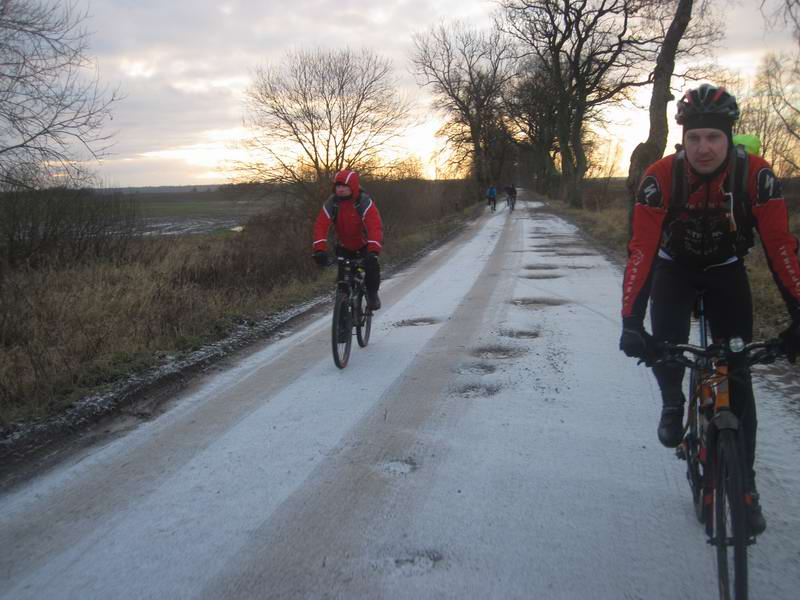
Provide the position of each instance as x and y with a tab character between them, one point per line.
567	158
652	149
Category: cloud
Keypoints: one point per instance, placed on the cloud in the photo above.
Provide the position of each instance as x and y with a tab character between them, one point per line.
183	65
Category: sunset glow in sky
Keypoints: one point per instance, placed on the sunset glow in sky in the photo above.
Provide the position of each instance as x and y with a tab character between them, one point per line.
183	66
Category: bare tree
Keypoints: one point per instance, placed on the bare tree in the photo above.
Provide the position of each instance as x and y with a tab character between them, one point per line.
772	111
51	115
786	12
678	39
467	70
530	106
320	111
596	53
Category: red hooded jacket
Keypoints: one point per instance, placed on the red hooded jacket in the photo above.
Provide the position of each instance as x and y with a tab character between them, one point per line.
358	222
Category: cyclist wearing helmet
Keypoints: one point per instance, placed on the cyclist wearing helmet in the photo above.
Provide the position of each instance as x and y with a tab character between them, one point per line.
359	230
692	227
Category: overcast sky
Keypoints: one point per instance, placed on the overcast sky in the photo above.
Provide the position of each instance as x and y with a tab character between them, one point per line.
182	66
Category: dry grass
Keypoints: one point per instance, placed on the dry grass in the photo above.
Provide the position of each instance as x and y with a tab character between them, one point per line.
66	331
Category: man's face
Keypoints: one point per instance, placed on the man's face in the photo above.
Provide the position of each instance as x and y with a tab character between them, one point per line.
706	149
343	191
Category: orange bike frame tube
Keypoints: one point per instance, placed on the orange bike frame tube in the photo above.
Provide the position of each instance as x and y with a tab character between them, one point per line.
723	399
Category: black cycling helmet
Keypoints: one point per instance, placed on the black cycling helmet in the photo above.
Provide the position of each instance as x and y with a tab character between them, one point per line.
706	103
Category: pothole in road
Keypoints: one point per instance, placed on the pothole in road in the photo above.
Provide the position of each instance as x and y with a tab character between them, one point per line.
520	334
561	253
540	216
477	369
477	390
545	242
400	467
541	267
538	302
416	322
497	352
541	276
418	563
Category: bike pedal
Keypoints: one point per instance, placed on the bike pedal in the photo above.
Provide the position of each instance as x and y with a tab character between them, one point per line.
680	452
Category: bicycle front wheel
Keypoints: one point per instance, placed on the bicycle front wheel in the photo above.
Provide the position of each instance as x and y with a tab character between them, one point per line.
692	444
363	319
730	529
341	330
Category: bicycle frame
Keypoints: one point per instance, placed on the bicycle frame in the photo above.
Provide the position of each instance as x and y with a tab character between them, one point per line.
710	406
350	276
349	310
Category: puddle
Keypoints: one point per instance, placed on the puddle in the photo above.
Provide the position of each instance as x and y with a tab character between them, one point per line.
416	322
520	334
477	390
400	467
538	302
497	352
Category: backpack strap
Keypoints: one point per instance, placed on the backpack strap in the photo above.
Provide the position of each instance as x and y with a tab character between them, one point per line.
332	208
679	192
738	200
362	204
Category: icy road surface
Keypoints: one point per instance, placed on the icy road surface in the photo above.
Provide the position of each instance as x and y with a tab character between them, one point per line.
491	442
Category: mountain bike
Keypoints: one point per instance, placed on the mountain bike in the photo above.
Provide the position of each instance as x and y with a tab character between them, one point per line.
713	447
350	310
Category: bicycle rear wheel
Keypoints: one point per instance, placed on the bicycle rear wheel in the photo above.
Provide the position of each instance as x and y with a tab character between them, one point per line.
341	330
730	529
363	318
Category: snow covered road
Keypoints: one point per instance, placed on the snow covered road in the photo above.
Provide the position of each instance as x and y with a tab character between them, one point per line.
491	442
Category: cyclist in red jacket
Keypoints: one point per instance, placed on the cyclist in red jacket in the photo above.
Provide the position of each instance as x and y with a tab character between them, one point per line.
692	227
359	230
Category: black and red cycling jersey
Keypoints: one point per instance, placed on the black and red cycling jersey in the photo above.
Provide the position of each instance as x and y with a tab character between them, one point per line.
358	222
700	234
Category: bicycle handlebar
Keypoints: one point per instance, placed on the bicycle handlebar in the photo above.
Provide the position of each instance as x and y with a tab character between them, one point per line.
335	260
748	355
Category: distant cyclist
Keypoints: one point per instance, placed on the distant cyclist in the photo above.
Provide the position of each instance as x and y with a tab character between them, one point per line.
491	197
511	195
359	230
692	227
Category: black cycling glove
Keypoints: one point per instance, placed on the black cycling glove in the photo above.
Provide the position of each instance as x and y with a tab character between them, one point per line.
321	258
636	342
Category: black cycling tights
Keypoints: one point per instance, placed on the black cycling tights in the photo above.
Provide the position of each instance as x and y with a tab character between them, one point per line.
729	312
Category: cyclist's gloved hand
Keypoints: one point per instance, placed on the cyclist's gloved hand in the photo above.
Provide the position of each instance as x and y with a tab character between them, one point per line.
636	342
791	340
321	258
